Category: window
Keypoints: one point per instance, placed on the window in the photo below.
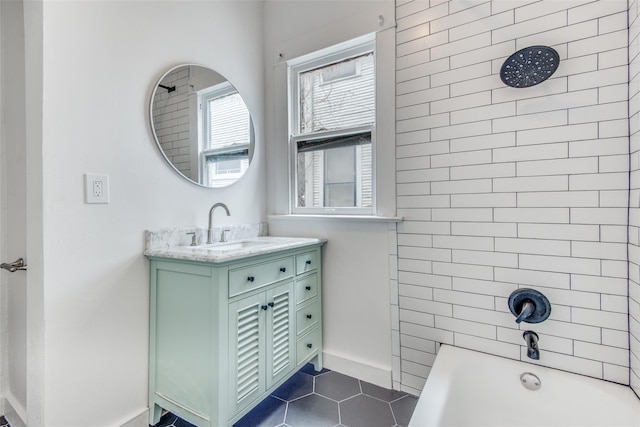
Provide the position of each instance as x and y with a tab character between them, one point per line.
332	130
227	130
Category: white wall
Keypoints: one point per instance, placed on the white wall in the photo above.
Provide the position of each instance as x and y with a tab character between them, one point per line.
99	62
356	273
33	31
13	202
504	188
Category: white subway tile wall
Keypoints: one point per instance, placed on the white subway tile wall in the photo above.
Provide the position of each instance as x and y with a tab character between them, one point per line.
394	297
634	204
171	120
505	188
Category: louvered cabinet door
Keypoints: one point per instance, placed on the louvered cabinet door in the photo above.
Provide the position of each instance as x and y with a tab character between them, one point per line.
246	351
280	332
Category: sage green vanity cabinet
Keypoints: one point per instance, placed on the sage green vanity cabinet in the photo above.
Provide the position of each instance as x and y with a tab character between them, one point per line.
224	335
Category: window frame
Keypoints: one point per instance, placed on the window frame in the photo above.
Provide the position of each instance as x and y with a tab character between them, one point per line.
354	48
238	151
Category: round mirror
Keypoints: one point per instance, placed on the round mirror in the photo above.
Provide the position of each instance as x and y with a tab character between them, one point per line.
202	126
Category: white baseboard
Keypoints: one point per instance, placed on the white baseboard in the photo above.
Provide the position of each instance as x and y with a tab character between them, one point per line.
374	374
140	420
14	412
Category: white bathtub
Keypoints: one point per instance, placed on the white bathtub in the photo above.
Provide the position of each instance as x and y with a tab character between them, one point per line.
467	388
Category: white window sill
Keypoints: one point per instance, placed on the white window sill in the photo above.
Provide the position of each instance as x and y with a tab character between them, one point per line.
365	218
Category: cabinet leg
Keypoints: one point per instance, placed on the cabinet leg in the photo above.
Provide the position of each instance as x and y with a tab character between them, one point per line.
155	412
317	362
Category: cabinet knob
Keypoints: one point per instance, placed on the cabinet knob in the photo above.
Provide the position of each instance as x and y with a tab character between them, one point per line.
308	262
308	288
309	345
309	316
283	269
251	278
264	307
271	304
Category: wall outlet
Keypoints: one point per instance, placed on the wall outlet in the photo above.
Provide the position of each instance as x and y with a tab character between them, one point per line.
96	188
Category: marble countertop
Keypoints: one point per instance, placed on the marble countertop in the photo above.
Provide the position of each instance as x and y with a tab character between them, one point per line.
232	250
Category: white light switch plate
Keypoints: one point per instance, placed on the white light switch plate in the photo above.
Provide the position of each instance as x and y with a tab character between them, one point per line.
96	188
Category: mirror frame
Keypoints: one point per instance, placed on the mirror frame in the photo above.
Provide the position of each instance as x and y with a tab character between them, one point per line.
157	140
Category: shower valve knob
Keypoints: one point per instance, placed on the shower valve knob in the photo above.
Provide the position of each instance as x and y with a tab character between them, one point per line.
529	306
527	310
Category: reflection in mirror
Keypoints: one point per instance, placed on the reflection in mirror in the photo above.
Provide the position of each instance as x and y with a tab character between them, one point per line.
202	126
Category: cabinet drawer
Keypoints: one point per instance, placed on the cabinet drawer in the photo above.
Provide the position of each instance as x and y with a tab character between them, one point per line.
252	277
307	261
308	344
306	288
307	317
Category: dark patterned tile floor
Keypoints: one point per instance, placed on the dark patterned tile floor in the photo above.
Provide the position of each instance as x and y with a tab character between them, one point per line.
324	399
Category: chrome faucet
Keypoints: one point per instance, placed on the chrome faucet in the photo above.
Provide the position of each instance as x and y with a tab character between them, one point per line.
531	338
210	229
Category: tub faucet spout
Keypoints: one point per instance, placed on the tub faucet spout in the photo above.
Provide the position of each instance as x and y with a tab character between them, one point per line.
210	229
531	338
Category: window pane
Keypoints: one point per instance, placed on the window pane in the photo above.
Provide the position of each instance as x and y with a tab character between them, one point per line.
338	96
339	195
339	165
336	172
228	166
223	172
229	121
339	177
